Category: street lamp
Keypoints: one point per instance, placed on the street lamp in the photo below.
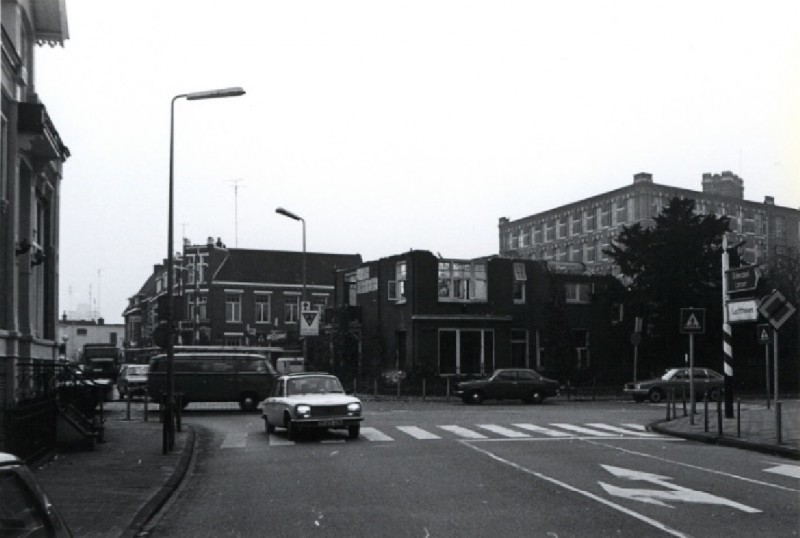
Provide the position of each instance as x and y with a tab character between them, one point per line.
169	407
287	213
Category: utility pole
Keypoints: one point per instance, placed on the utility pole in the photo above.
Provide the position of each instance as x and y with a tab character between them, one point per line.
236	209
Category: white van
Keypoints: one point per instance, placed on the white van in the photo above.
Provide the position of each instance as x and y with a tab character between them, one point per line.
290	365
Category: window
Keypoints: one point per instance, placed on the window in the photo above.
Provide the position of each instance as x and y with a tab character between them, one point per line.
319	302
466	351
605	216
291	309
576	253
576	225
590	220
233	308
82	332
580	339
462	281
519	282
578	292
263	308
537	235
397	287
548	232
561	228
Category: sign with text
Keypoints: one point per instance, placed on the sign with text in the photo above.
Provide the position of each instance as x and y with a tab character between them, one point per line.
740	311
693	320
742	279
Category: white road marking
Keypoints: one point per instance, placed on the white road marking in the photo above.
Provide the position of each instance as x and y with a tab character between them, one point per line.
371	434
641	517
417	433
463	432
505	432
637	427
235	440
623	431
275	440
542	430
672	493
787	470
579	429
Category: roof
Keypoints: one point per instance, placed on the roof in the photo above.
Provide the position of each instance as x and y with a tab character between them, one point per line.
285	267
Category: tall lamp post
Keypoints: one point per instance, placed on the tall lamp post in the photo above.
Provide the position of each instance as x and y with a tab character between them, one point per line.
287	213
169	407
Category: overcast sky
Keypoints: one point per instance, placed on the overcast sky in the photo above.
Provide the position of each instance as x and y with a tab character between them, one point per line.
398	125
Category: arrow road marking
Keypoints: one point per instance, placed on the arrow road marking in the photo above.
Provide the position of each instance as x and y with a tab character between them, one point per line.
660	497
788	470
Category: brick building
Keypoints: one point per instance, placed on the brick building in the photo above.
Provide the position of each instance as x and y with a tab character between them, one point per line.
579	231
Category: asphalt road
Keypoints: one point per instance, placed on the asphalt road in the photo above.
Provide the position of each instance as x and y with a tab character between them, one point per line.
445	469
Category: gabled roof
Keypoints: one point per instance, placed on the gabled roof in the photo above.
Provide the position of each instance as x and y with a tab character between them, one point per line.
284	267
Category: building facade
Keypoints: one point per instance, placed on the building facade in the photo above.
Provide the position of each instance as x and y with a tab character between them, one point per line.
580	231
234	297
74	333
31	158
437	317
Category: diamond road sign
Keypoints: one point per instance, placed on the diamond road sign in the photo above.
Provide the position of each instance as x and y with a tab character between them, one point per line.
776	308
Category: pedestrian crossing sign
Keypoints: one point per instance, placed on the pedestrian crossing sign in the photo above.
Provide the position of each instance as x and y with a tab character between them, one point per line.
764	334
693	320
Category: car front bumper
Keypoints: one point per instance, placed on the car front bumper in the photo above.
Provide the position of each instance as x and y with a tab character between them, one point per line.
326	422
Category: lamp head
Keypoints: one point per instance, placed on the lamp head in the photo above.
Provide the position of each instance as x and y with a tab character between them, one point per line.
215	94
287	213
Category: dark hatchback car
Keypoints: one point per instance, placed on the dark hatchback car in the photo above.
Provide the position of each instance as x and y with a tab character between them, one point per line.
509	384
25	510
706	381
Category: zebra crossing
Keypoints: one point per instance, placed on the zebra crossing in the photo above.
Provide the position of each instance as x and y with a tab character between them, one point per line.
489	432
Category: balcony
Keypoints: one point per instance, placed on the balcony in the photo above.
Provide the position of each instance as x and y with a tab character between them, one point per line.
37	133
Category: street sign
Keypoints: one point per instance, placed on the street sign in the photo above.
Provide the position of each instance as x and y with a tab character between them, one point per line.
309	323
693	320
764	333
739	311
742	278
776	308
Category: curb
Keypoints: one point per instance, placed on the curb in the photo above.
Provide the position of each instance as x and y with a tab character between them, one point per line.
158	500
774	450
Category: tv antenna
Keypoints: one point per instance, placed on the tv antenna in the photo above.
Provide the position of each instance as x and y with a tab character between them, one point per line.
236	210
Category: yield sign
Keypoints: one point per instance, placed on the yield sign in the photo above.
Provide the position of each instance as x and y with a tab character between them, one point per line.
309	323
662	497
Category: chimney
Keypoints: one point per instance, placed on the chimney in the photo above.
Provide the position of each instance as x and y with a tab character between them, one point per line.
101	321
210	241
642	177
769	200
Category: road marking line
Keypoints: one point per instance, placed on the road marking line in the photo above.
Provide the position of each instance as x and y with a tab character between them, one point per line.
579	429
275	440
371	434
592	496
542	430
505	432
689	465
786	470
417	433
637	427
623	431
235	440
463	432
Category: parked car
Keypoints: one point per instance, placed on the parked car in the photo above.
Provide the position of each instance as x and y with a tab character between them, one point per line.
132	380
309	401
25	510
655	390
509	384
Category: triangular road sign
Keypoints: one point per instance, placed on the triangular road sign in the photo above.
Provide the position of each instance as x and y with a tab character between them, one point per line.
692	324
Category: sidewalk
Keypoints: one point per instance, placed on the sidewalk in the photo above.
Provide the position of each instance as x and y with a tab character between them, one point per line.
116	488
754	428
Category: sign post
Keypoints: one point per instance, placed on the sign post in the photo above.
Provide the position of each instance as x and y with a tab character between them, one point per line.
764	338
693	321
777	309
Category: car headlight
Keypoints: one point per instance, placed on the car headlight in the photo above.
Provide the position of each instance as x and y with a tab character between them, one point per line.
354	407
302	409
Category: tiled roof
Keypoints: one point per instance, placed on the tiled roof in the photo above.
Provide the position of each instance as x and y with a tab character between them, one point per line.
285	267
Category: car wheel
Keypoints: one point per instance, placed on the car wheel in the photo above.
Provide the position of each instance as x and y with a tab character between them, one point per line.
655	395
267	426
248	402
713	395
354	431
475	397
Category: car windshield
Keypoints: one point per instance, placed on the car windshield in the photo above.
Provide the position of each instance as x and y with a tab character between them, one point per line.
313	385
669	374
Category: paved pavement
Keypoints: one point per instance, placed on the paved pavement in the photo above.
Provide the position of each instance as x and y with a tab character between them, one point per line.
114	490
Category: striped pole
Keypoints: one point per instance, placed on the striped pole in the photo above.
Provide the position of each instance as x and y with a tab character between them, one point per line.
727	337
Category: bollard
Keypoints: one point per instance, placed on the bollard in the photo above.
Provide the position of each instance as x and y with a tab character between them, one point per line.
719	415
423	388
178	410
448	388
128	405
683	400
738	417
705	412
398	385
146	402
376	386
668	404
778	406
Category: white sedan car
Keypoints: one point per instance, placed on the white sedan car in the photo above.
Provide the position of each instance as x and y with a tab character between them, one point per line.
311	400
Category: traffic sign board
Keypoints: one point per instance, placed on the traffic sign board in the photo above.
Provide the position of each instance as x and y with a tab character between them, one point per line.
742	278
776	308
764	333
693	320
309	323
